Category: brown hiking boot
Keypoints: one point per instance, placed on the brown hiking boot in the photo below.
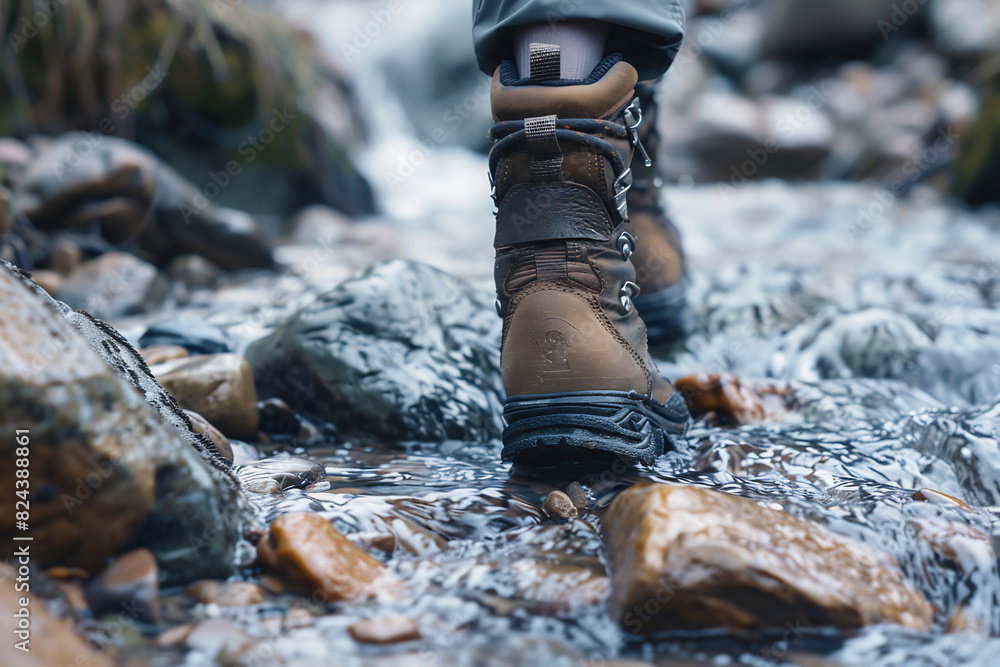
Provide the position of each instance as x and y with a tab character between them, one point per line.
658	258
576	368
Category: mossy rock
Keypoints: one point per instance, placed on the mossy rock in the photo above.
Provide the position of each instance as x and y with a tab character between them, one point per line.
201	83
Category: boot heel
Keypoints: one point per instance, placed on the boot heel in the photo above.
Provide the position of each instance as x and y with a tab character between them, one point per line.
591	425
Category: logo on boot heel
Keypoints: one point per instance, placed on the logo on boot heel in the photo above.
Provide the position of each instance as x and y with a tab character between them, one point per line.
555	343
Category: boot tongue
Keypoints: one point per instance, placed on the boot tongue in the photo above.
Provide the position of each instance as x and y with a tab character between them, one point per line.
610	85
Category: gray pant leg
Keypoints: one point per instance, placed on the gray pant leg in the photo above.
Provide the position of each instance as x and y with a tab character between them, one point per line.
647	32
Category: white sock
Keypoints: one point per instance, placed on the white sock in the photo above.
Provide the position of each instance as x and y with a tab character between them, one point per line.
581	46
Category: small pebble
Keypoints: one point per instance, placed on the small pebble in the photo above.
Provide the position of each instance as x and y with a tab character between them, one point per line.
578	495
157	354
130	579
559	506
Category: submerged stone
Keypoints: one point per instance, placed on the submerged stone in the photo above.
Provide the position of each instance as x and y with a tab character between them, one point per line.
693	558
308	552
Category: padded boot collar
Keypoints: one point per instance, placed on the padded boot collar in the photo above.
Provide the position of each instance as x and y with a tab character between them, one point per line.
600	99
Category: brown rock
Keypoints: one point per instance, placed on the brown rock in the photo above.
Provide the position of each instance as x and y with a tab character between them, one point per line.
219	387
231	594
113	285
690	558
107	456
201	425
385	630
578	495
559	506
277	417
129	584
310	553
50	281
65	257
732	401
52	641
157	354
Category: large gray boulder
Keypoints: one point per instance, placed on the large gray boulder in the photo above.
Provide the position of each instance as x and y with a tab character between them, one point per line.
401	352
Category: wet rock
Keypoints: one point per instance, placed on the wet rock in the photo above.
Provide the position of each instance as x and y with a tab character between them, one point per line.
201	426
109	184
219	387
157	354
51	640
690	557
113	285
385	630
113	457
560	506
129	583
194	334
65	257
277	417
229	594
578	495
308	552
401	352
288	472
730	401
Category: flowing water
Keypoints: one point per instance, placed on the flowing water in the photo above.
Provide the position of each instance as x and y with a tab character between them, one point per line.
879	313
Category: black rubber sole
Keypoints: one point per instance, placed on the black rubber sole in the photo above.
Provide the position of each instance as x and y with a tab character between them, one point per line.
665	313
589	425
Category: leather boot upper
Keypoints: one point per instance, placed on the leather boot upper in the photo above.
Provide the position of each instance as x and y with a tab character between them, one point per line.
560	169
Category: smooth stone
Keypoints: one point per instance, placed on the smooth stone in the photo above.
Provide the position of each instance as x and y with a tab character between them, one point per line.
288	472
694	558
219	387
65	257
192	333
578	495
385	630
129	583
113	285
202	426
157	354
309	553
559	506
559	588
213	635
